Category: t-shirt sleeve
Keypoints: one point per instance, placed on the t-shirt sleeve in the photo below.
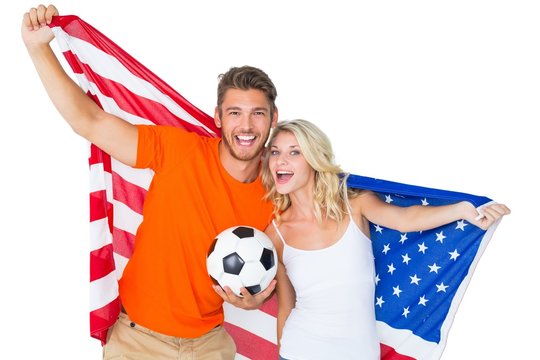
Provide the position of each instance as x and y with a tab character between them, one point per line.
159	146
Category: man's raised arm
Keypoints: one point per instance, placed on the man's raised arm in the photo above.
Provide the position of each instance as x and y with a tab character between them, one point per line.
110	133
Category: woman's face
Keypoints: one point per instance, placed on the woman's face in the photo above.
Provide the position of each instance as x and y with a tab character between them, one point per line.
289	168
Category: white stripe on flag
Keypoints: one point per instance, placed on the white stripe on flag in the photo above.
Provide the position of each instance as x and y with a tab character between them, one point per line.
120	262
240	357
100	234
254	321
405	342
125	218
139	177
99	179
103	291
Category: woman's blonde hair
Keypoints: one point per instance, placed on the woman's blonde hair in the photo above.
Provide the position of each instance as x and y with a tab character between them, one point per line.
317	150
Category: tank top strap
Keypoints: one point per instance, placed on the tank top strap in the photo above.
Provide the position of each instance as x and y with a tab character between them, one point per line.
346	198
278	232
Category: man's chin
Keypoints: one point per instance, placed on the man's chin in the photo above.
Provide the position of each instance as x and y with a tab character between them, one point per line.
245	155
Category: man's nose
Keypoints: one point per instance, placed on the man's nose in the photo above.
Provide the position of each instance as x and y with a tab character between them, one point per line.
246	122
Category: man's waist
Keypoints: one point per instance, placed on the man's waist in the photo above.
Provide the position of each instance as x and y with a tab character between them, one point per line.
182	330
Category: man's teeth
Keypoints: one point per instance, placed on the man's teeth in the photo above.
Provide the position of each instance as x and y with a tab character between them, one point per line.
245	137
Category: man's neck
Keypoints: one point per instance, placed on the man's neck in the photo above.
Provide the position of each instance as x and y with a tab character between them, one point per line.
243	171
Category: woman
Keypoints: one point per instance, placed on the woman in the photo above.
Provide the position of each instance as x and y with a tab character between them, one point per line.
325	284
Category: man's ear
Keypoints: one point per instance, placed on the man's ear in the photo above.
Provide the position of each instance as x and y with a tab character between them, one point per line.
217	118
275	118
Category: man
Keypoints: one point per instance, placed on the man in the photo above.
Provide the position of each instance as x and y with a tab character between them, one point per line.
201	186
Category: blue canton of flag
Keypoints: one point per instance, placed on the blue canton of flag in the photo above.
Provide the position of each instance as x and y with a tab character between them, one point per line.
420	276
419	273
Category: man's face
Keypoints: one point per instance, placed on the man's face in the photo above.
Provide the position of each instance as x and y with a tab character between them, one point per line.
245	122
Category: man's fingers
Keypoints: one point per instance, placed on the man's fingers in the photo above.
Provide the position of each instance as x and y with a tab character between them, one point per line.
32	19
219	291
50	12
266	292
27	22
40	16
245	300
246	295
40	13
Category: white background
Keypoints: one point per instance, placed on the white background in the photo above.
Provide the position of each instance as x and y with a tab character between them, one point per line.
439	94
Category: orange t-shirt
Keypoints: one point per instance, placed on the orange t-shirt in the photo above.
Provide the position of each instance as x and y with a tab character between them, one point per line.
165	285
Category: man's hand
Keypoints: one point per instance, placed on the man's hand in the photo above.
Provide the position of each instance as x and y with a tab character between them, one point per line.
35	29
246	301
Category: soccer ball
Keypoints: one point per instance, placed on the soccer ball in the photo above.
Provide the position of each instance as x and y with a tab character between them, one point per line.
242	256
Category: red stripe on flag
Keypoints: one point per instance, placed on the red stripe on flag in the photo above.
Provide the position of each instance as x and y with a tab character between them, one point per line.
251	345
99	207
98	156
388	353
123	242
103	318
101	262
270	306
128	193
73	62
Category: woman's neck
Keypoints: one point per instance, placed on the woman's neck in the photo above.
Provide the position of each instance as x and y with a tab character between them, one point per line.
302	205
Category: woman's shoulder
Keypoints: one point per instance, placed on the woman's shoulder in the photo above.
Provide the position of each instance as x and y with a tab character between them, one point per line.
359	195
272	232
363	199
270	228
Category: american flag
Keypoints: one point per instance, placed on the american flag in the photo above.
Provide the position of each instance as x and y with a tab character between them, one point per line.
421	277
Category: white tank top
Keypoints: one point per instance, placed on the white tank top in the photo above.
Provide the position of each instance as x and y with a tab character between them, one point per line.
334	314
